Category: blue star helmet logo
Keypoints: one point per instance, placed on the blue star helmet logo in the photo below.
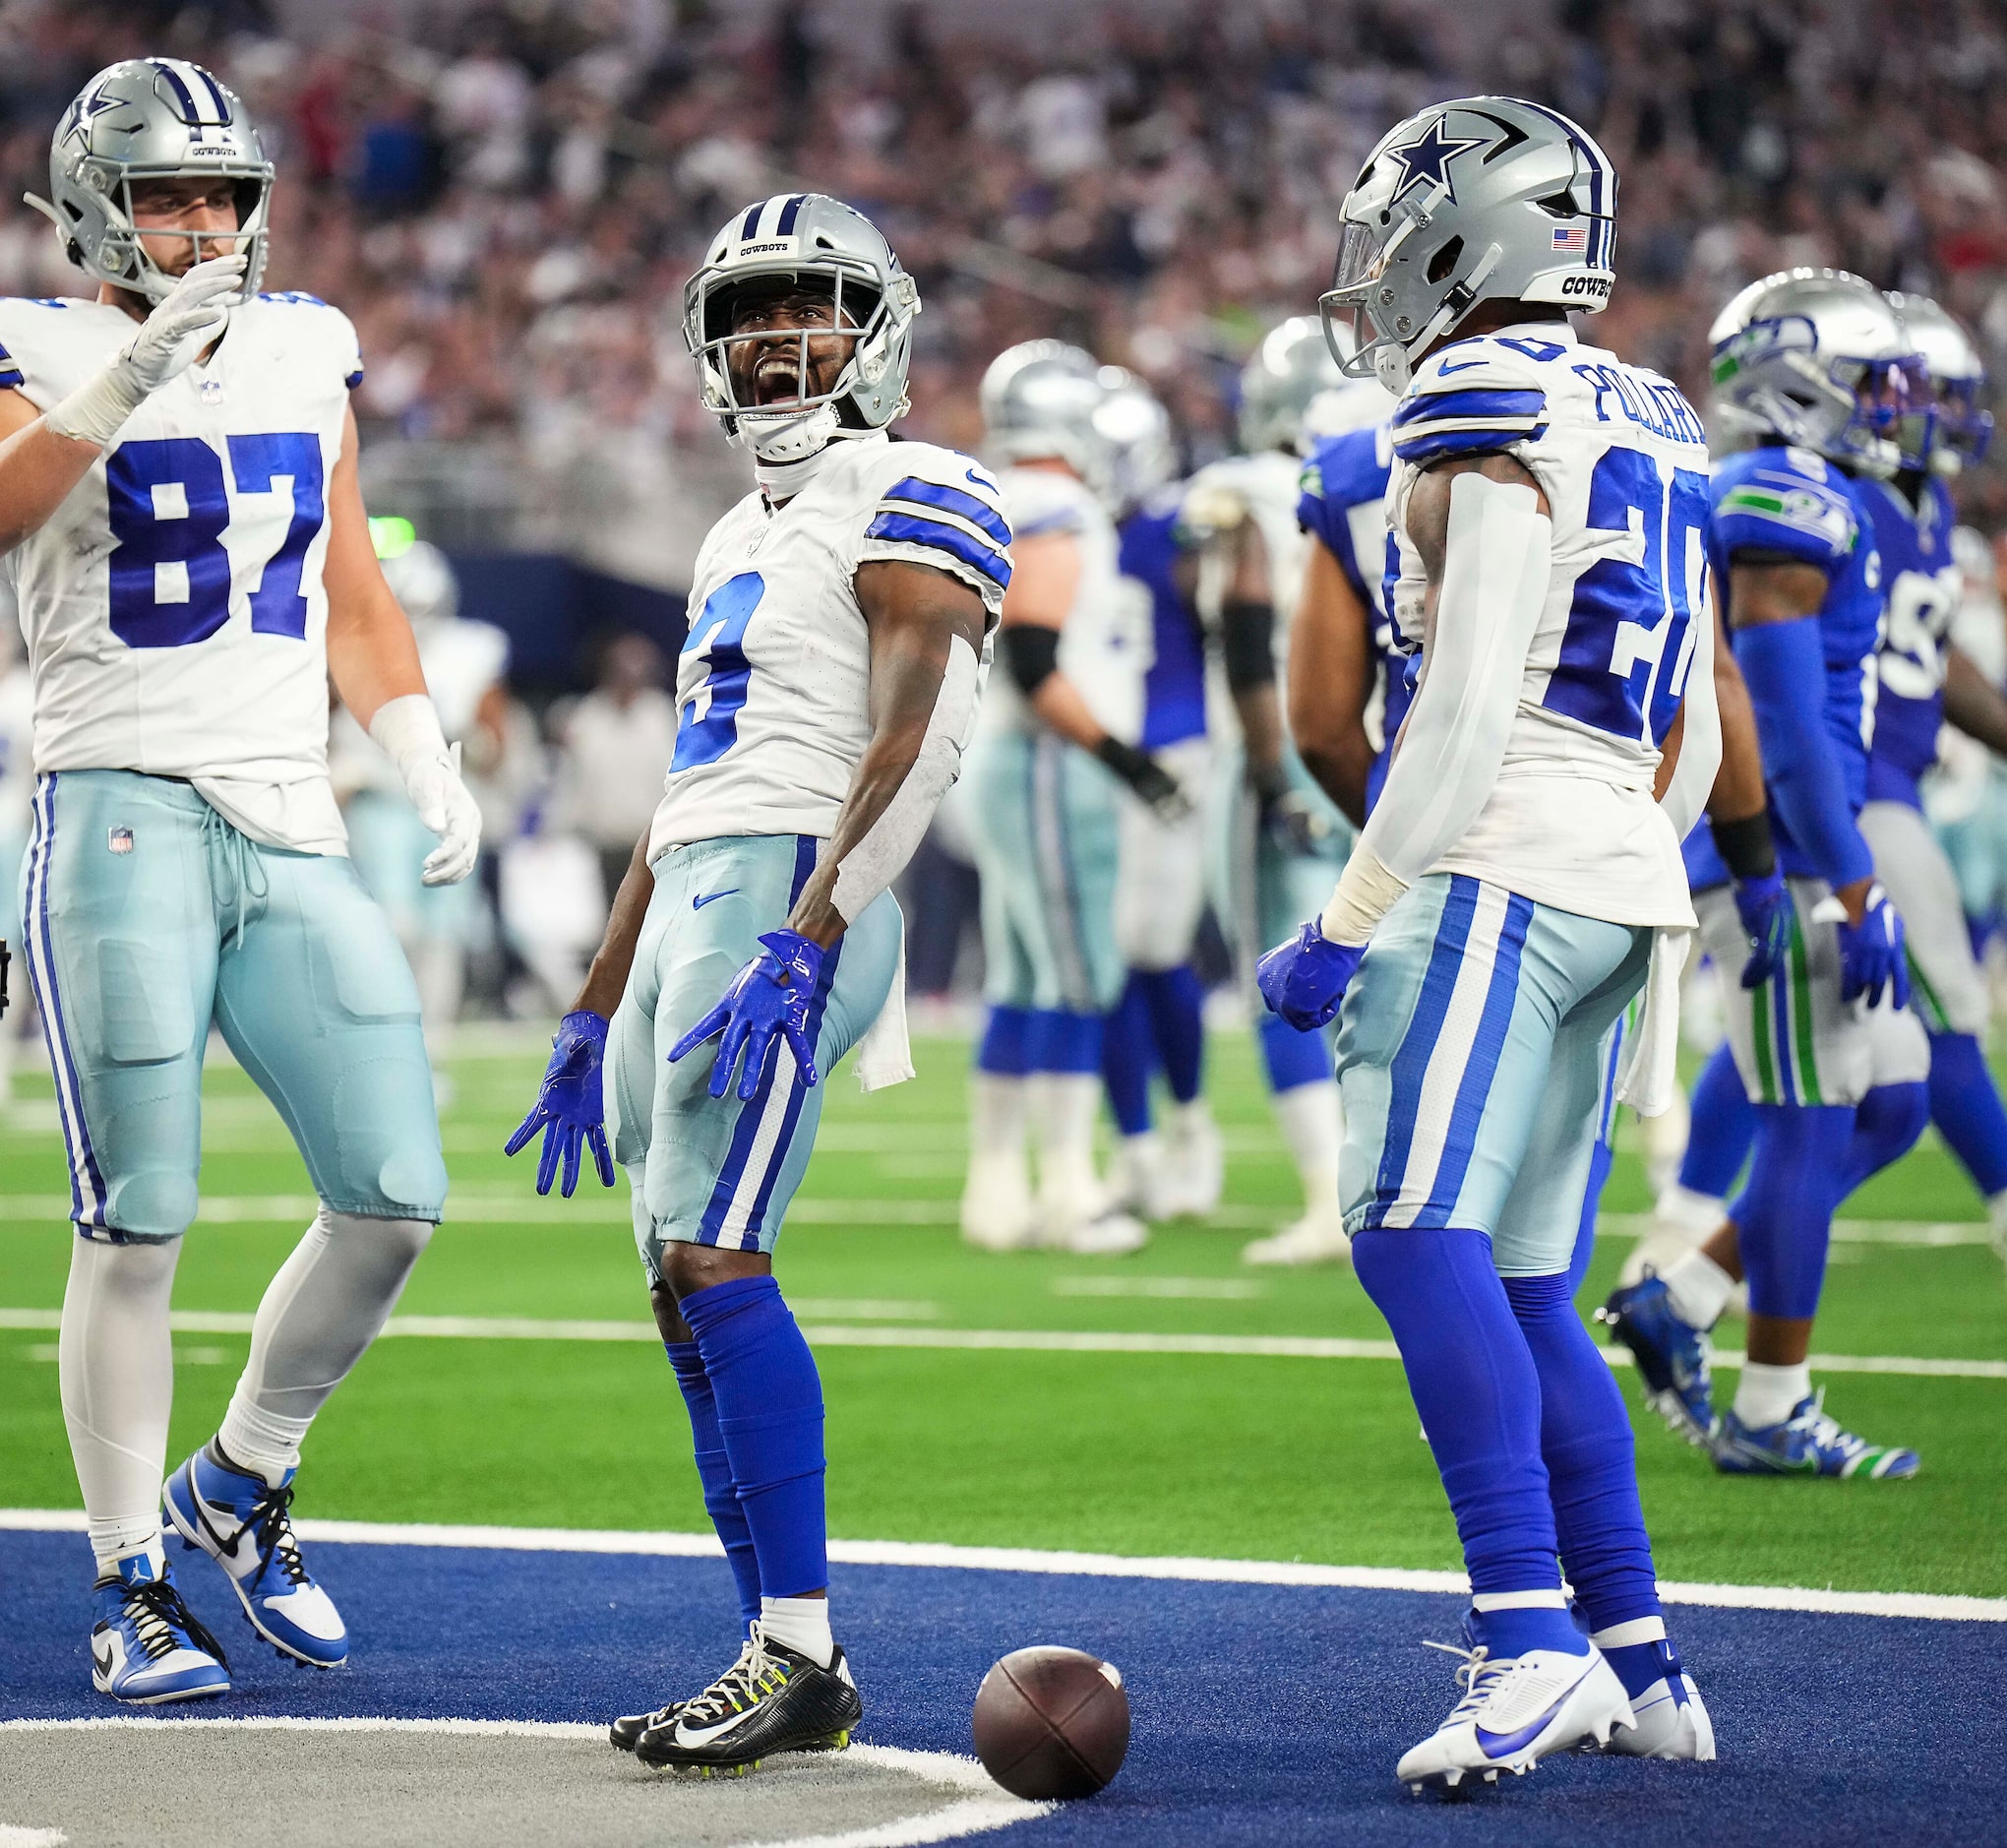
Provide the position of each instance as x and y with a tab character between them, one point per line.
1424	161
85	111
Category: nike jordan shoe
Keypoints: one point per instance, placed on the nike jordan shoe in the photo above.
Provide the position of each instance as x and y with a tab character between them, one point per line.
772	1699
243	1523
147	1646
1807	1443
1515	1712
1672	1357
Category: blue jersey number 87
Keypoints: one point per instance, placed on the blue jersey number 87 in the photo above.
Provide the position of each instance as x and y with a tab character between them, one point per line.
1630	641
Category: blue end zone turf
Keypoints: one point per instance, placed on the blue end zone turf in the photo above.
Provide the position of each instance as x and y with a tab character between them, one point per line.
1263	1714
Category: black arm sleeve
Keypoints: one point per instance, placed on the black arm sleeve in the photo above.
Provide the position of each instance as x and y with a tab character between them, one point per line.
1746	846
1031	653
1247	644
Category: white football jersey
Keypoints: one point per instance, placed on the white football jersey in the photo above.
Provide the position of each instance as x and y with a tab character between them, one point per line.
1107	644
773	684
172	605
1622	460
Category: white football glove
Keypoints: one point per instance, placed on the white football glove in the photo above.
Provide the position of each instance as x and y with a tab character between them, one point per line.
408	728
169	340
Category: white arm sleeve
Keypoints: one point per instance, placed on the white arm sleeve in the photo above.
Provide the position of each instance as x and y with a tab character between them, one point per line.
874	861
1700	739
1498	560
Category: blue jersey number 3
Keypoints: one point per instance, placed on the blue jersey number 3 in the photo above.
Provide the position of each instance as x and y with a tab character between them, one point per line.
168	506
709	726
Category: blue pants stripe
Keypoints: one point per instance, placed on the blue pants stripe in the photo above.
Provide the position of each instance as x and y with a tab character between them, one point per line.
1467	1112
83	1170
1417	1046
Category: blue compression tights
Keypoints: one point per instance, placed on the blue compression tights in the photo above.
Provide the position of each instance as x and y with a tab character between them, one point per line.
1724	1126
714	1472
1965	1104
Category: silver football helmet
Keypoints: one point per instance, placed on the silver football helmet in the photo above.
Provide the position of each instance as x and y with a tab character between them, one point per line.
423	581
1041	398
1291	366
1819	360
146	119
1142	453
1482	199
817	242
1962	427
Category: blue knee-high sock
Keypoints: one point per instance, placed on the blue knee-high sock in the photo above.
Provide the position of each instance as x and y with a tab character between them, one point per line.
1724	1126
1784	1215
1474	1382
1886	1124
1177	1005
1965	1104
714	1471
1585	1440
769	1401
1290	1058
1600	1160
1058	1040
1005	1043
1127	1056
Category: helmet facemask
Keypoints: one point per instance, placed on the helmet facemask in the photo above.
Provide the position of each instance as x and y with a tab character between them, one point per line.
1870	413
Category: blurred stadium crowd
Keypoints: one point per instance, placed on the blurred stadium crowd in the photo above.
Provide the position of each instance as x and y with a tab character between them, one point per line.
507	198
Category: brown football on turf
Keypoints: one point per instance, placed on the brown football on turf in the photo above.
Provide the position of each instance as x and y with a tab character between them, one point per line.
1052	1722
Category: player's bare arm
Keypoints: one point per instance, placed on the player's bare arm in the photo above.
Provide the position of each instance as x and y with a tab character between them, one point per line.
1973	703
916	616
372	657
1739	795
1248	626
1429	514
1331	655
1043	580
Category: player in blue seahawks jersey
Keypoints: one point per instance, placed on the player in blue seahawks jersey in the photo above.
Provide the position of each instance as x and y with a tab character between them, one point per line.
1516	885
1159	1025
1813	369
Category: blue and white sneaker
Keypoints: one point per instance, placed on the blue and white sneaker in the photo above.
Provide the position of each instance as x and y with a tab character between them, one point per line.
1515	1712
1671	1719
1807	1443
147	1646
242	1523
1672	1357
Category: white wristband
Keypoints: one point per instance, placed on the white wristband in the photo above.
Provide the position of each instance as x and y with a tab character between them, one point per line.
1365	893
96	411
407	727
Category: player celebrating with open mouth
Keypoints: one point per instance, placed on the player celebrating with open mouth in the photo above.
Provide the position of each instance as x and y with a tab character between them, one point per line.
827	687
179	496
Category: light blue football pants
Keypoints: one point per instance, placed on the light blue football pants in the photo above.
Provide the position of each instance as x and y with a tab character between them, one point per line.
146	917
1043	819
1472	1060
1260	891
711	1170
388	844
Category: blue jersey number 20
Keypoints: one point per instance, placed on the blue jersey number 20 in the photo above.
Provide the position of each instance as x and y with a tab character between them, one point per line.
709	726
168	507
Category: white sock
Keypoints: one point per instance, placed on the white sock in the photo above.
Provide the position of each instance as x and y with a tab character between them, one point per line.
998	1107
116	1363
318	1317
1065	1105
1996	1218
1313	1127
1695	1213
801	1624
1768	1395
1699	1289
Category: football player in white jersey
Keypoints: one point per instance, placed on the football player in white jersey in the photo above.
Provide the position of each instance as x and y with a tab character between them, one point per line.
1055	747
826	691
1515	886
178	498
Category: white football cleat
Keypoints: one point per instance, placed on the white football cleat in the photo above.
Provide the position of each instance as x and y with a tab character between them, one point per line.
1318	1238
1516	1712
1105	1235
1194	1162
1141	1181
997	1213
1673	1723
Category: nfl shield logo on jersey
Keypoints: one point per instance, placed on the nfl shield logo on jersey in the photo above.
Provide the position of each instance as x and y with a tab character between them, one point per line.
119	840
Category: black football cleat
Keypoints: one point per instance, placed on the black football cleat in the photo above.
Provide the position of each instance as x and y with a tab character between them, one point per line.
772	1699
626	1732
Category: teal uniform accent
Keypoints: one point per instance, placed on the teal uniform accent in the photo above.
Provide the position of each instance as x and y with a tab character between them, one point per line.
711	1170
147	916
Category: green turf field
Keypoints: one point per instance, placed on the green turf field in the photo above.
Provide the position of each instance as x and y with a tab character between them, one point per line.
1222	1455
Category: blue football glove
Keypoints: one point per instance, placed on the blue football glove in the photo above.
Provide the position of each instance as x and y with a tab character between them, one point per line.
1873	953
770	995
1764	906
570	1109
1304	979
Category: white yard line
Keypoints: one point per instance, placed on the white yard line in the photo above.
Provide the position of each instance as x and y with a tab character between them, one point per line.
929	1555
838	1333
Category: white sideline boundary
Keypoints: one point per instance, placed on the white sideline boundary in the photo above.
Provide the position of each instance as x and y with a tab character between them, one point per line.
983	1808
1941	1607
991	1341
